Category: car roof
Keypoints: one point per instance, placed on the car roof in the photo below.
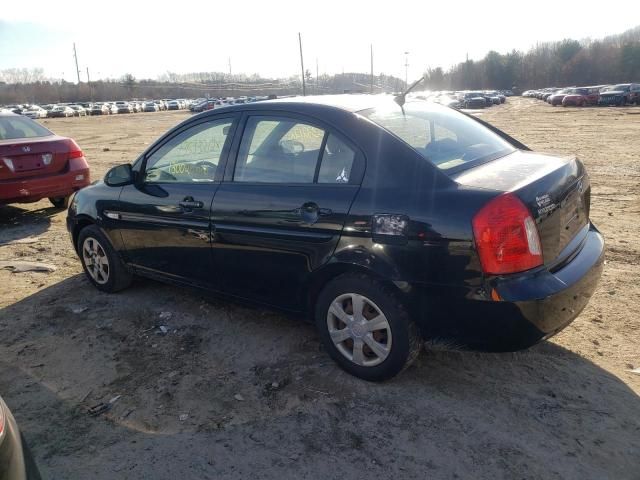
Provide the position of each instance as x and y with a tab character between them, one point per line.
347	102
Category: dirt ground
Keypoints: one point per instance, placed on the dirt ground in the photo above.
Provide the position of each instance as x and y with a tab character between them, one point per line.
232	392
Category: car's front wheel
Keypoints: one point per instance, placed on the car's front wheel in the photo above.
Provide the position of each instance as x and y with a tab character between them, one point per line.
59	202
365	327
101	263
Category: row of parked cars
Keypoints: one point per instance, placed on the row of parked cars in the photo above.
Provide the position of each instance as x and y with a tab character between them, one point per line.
203	104
467	99
98	108
606	95
132	106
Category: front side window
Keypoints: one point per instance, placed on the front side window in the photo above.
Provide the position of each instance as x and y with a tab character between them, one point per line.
278	150
191	156
445	137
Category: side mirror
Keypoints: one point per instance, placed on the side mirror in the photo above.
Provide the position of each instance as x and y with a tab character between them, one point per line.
119	176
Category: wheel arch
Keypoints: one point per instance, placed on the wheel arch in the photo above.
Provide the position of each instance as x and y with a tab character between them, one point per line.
80	223
321	277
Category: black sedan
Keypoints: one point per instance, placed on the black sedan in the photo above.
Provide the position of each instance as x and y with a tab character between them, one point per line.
474	100
384	223
16	462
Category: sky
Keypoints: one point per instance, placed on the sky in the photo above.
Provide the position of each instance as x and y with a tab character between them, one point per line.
148	39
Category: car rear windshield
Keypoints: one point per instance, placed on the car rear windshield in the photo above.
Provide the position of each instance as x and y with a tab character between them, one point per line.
20	127
443	136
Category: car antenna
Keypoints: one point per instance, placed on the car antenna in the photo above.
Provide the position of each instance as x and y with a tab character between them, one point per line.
401	98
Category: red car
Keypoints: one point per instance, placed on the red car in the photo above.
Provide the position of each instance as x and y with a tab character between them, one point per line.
35	163
581	97
556	98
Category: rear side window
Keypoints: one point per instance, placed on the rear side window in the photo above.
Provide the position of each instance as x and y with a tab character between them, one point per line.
20	127
337	161
278	150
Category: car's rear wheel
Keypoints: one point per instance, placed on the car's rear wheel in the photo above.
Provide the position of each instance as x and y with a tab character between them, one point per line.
59	202
101	263
365	327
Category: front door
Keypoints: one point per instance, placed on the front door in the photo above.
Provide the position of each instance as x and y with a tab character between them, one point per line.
281	210
164	217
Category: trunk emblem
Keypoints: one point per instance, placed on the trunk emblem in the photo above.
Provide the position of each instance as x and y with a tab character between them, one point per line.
46	158
580	186
26	149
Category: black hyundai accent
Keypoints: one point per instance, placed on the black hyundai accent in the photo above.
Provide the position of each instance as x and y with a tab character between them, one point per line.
386	223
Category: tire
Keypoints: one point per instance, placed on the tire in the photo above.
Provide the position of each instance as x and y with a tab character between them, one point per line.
60	202
95	247
398	343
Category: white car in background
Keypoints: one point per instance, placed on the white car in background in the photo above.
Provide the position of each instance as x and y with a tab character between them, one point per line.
78	110
34	111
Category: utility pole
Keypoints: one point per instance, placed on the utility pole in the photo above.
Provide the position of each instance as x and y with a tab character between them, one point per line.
372	68
89	83
406	69
75	56
230	81
304	88
317	82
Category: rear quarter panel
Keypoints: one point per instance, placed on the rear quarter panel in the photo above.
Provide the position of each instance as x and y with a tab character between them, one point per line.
439	250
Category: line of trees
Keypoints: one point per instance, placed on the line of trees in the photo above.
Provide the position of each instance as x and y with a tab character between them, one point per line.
614	59
31	86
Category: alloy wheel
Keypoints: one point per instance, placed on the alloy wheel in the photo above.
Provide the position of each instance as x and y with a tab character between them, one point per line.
96	260
359	329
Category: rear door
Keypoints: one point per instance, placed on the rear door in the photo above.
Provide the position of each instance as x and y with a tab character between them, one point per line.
164	217
281	209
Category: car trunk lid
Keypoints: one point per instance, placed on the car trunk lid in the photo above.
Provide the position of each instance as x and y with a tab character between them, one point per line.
29	157
556	191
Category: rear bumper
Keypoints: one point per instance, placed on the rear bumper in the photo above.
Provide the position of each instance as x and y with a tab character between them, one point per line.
532	307
32	189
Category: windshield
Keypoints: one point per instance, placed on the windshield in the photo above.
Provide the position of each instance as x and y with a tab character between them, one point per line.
20	127
443	136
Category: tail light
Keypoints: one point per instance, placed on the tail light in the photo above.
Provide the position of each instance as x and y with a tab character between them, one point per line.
506	236
9	163
74	149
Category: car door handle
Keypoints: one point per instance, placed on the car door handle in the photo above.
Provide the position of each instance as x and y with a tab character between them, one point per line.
189	203
309	207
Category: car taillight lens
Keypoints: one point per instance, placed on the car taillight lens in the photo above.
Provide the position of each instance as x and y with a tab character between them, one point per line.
74	149
9	163
506	236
